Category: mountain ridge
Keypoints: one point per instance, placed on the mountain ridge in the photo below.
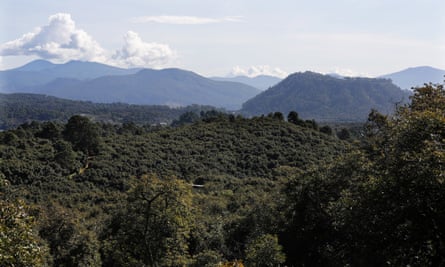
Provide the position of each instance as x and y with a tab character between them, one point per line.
97	82
325	98
416	76
174	87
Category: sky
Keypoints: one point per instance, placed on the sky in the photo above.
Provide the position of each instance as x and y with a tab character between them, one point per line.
230	37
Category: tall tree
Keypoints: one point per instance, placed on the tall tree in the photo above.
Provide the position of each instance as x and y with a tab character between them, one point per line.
83	134
401	206
155	225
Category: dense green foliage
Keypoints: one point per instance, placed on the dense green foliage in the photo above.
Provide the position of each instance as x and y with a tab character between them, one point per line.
17	109
328	99
220	189
383	204
107	194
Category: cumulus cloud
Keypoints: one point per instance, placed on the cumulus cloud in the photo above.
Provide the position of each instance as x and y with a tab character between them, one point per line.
349	73
254	71
59	40
137	53
184	20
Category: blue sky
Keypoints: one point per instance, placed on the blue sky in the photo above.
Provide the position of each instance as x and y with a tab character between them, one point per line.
232	36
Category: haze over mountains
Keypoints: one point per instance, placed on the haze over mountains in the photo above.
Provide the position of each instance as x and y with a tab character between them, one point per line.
417	76
312	95
101	83
261	82
40	72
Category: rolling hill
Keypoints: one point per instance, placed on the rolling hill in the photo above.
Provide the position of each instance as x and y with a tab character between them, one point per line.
326	98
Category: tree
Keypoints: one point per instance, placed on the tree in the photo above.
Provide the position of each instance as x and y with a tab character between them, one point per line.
383	204
83	134
50	130
292	117
395	215
154	226
69	242
19	243
264	251
64	155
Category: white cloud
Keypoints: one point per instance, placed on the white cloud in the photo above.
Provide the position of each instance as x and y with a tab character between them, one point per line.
254	71
137	53
349	73
184	20
59	40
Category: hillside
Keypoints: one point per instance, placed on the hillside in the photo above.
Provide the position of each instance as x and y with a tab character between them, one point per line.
326	98
417	76
16	109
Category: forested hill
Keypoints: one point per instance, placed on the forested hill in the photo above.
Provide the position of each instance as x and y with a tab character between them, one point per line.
87	180
16	109
218	145
326	98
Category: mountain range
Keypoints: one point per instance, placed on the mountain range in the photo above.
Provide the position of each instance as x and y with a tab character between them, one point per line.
312	95
326	98
96	82
40	72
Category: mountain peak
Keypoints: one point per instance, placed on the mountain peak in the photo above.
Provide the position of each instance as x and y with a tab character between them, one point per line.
416	76
36	65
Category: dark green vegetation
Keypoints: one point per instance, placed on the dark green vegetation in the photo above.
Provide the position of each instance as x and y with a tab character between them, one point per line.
100	83
17	109
328	99
226	188
126	192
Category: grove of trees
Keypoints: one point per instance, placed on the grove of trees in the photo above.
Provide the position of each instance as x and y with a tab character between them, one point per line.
220	189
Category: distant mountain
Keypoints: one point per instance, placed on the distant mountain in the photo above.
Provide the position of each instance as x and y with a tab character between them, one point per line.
417	76
172	87
36	65
325	98
40	72
261	82
90	81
